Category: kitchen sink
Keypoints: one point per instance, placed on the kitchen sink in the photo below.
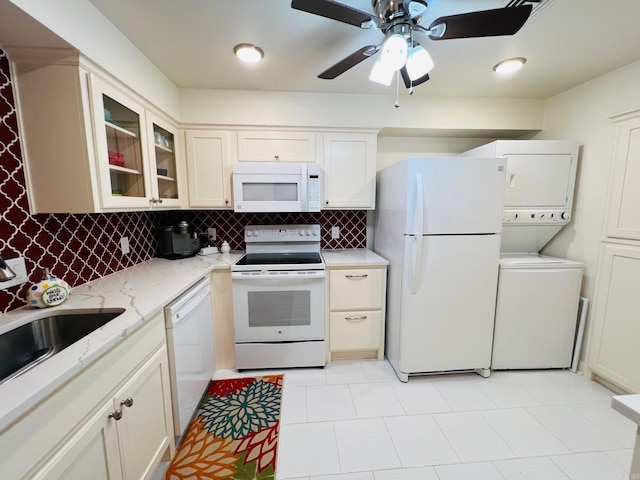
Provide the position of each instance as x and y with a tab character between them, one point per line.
32	343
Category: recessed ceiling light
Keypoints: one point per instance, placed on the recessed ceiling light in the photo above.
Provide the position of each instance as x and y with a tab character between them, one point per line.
248	53
509	66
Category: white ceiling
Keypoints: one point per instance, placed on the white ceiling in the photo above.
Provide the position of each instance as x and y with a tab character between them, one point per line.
566	42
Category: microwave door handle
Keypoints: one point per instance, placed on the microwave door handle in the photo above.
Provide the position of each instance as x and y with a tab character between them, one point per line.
304	179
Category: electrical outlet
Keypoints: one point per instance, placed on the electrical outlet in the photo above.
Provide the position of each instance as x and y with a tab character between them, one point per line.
211	233
124	245
19	268
335	232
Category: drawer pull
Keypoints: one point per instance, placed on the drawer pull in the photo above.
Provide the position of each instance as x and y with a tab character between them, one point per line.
363	275
354	319
127	403
117	415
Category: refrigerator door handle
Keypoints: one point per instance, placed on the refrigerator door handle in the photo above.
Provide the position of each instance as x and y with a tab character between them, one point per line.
418	222
417	236
417	263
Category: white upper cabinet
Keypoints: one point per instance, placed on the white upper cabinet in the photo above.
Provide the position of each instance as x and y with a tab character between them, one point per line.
277	146
349	164
121	148
167	163
88	146
624	200
210	154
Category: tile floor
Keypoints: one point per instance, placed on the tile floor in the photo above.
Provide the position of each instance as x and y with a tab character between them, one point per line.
354	420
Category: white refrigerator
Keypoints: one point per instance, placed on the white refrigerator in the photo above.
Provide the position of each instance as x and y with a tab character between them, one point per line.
438	223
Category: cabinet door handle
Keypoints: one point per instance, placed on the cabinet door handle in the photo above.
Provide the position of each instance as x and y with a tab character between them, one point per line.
326	202
128	402
277	157
355	319
117	415
364	275
226	201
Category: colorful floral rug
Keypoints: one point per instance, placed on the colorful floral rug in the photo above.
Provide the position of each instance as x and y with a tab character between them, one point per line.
234	434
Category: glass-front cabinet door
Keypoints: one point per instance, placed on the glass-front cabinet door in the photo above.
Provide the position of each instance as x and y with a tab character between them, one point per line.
122	151
164	164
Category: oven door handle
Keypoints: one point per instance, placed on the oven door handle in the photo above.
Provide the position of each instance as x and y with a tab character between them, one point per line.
293	277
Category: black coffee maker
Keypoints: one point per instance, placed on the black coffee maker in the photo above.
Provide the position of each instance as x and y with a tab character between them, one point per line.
178	241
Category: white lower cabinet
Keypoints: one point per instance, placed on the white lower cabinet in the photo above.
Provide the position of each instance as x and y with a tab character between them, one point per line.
142	429
91	453
357	312
615	333
112	421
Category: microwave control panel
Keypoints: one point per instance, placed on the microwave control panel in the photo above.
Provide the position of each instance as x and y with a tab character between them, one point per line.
314	187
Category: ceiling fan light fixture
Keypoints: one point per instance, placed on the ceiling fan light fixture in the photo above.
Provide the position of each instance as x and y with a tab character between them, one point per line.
381	74
248	53
511	65
393	53
419	62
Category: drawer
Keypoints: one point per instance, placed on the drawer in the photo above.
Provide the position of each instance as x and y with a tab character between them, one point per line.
356	289
354	330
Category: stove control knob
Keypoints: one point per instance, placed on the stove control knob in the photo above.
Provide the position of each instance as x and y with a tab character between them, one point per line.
565	215
314	233
308	232
300	232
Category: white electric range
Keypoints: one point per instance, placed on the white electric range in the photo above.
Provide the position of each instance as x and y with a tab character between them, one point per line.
279	298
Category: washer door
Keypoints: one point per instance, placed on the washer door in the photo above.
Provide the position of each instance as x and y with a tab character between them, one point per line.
536	316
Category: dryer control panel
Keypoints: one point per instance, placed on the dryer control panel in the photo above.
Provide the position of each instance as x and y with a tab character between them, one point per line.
538	217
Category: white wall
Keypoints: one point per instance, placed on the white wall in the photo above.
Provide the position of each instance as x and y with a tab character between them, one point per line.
234	107
80	24
581	114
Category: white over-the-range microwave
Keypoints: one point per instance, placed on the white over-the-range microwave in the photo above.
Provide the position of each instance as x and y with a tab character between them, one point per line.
276	187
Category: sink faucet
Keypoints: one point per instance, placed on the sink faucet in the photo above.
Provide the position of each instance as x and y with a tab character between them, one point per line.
5	271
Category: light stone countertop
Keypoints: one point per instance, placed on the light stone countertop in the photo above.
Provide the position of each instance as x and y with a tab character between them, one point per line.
352	257
142	290
627	405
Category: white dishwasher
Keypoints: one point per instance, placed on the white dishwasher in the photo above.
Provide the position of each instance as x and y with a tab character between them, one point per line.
190	347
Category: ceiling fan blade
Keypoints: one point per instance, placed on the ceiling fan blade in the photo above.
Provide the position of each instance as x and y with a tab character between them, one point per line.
407	81
337	11
486	23
346	63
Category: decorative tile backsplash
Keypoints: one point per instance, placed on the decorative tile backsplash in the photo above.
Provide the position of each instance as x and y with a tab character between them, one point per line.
81	248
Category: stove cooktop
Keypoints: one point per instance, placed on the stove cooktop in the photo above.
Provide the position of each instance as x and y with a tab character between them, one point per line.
294	258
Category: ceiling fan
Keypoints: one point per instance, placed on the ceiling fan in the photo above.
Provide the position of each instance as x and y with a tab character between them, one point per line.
398	20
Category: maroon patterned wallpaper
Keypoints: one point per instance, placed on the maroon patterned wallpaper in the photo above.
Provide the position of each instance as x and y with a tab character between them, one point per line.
81	248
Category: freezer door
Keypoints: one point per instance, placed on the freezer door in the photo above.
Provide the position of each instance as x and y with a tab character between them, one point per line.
460	195
448	323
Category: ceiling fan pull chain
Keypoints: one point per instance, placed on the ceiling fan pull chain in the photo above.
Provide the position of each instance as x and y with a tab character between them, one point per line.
397	104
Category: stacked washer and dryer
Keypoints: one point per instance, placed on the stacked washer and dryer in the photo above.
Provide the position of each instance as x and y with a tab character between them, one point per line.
538	295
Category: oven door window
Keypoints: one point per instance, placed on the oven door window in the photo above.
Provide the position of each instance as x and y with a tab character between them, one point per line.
279	309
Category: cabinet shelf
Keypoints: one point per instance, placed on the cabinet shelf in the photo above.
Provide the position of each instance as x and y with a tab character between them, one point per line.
116	169
120	129
163	149
165	178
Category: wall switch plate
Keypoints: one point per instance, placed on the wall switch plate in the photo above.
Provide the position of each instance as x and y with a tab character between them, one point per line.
19	267
335	232
124	245
211	233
